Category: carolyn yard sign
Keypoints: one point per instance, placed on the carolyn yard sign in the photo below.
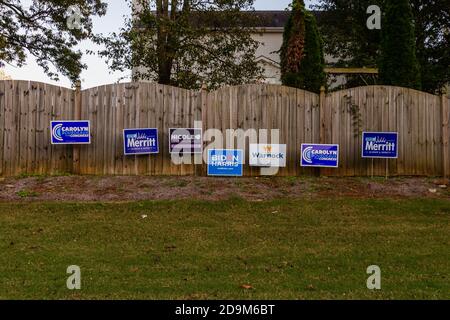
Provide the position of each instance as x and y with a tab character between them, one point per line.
70	132
140	141
382	145
225	163
186	141
320	155
268	155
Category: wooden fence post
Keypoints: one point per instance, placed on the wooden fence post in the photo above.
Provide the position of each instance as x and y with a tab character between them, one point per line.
323	124
77	116
445	134
204	108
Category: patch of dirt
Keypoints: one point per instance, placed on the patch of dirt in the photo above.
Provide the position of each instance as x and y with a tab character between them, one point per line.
133	188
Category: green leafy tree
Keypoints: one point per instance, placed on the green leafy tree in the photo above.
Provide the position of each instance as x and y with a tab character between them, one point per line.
40	29
432	30
347	38
302	59
186	43
343	25
398	63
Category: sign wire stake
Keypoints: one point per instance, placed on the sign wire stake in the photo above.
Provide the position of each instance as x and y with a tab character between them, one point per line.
372	167
387	169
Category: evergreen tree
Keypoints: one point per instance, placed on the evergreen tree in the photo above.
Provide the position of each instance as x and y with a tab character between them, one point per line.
398	61
302	59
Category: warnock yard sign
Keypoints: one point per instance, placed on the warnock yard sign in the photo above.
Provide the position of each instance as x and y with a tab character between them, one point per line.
70	132
380	145
185	141
140	141
226	163
320	155
268	155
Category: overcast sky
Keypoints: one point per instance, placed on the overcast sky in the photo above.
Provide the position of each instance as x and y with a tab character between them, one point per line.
97	72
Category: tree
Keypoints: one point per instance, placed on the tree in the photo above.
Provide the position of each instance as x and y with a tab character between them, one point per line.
343	26
186	43
432	29
398	63
41	30
302	60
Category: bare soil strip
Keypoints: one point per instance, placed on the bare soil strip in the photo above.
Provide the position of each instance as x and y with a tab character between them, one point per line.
132	188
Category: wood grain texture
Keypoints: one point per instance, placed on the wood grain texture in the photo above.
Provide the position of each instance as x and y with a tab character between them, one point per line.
26	109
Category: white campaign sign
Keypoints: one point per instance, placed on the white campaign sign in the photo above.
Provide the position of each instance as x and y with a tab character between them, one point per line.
268	155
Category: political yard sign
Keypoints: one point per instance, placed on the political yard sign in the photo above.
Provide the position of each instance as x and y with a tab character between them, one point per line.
226	163
185	141
268	155
70	132
382	145
320	155
140	141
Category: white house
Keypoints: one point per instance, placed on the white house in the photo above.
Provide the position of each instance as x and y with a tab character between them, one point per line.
270	36
271	39
3	75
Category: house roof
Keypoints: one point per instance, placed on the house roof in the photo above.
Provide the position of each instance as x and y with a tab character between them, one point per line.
267	60
264	19
278	18
272	19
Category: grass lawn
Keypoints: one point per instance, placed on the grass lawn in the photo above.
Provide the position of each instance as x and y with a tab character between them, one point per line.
283	249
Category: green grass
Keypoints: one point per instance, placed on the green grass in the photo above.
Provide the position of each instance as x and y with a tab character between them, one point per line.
27	194
285	249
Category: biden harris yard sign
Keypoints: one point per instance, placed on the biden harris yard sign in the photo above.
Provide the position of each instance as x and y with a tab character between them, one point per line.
380	145
140	141
226	163
70	132
320	155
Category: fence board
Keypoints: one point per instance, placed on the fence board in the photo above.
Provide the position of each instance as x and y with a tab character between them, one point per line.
445	131
2	125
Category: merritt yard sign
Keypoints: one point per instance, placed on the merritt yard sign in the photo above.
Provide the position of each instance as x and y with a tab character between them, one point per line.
382	145
140	141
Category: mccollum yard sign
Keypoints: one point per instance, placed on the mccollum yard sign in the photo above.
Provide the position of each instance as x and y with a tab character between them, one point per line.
186	141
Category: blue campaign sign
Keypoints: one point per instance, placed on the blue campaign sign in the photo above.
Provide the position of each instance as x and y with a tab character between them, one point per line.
186	141
140	141
380	145
320	155
226	163
70	132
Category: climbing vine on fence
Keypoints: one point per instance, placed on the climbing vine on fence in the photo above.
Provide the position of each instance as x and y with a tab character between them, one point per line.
355	112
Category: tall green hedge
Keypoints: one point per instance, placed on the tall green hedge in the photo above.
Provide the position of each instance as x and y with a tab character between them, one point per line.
398	62
302	58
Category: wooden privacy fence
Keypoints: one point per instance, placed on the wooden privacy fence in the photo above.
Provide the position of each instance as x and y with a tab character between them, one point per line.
26	109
